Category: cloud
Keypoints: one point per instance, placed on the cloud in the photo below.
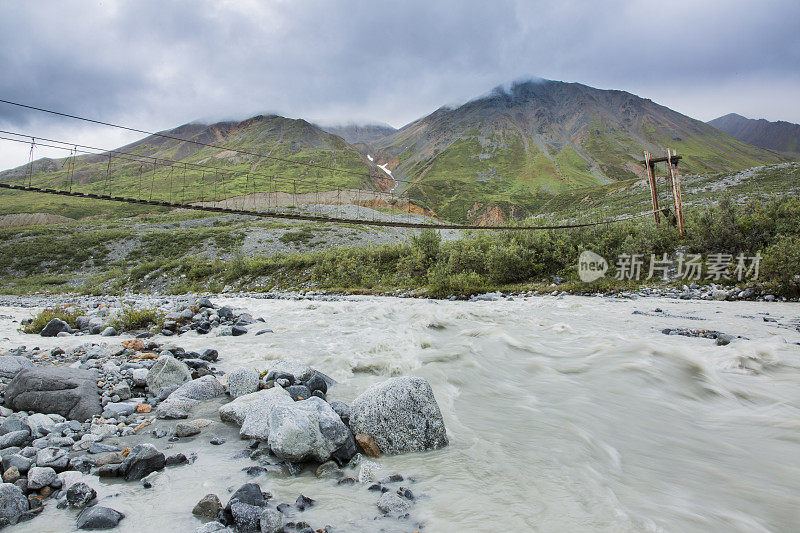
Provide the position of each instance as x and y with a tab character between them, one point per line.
155	64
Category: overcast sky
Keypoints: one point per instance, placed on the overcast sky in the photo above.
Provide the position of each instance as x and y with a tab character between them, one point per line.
158	64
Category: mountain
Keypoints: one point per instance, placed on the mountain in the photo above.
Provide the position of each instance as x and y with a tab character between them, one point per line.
500	151
365	134
780	135
276	142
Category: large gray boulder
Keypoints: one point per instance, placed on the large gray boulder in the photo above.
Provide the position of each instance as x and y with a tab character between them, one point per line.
69	392
308	429
12	503
143	460
54	327
256	420
184	398
167	372
401	415
237	410
242	381
99	517
11	365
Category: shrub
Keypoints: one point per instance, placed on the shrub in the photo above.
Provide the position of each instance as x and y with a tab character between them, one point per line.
133	318
781	265
40	320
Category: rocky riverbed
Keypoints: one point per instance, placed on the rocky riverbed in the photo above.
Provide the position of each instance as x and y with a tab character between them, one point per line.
561	412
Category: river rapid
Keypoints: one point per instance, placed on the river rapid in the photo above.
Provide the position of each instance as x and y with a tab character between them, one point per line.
563	413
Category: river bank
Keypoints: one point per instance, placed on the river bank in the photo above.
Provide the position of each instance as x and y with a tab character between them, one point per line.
562	412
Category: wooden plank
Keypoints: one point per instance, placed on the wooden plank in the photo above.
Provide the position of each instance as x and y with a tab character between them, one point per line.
651	180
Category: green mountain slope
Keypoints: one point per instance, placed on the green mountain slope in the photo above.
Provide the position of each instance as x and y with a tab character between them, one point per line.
497	154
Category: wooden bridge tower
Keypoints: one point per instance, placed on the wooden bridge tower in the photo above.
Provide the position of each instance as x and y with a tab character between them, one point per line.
673	184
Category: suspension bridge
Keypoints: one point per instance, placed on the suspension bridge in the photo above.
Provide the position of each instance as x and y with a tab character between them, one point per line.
123	175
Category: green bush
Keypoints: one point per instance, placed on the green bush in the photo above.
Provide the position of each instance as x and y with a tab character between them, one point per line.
40	320
781	265
133	318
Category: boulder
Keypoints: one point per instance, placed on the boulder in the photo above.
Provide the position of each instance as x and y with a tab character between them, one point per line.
69	392
298	371
249	493
13	503
271	521
180	402
143	460
237	410
167	372
242	381
40	477
209	507
11	365
99	517
15	422
256	422
80	495
246	517
54	327
308	429
400	415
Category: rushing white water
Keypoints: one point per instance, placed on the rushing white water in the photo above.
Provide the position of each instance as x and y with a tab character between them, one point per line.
564	414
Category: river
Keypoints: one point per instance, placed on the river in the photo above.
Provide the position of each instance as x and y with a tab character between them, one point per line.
563	414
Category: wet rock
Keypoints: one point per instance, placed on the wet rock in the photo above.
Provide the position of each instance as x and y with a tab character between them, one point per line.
175	460
13	503
271	521
212	527
249	493
342	409
210	355
98	517
328	469
307	429
39	477
69	392
80	495
368	445
238	330
299	392
167	372
317	383
298	372
401	415
109	332
208	507
242	381
393	505
368	472
304	502
246	516
54	327
11	365
143	459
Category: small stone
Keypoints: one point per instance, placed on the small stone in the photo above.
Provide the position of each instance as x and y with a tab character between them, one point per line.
217	441
368	445
299	392
177	459
186	429
327	469
393	505
208	507
368	472
11	475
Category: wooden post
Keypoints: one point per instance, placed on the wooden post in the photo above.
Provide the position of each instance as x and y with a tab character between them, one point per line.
676	189
651	180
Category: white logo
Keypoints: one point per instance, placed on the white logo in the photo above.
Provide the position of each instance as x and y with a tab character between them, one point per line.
591	266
